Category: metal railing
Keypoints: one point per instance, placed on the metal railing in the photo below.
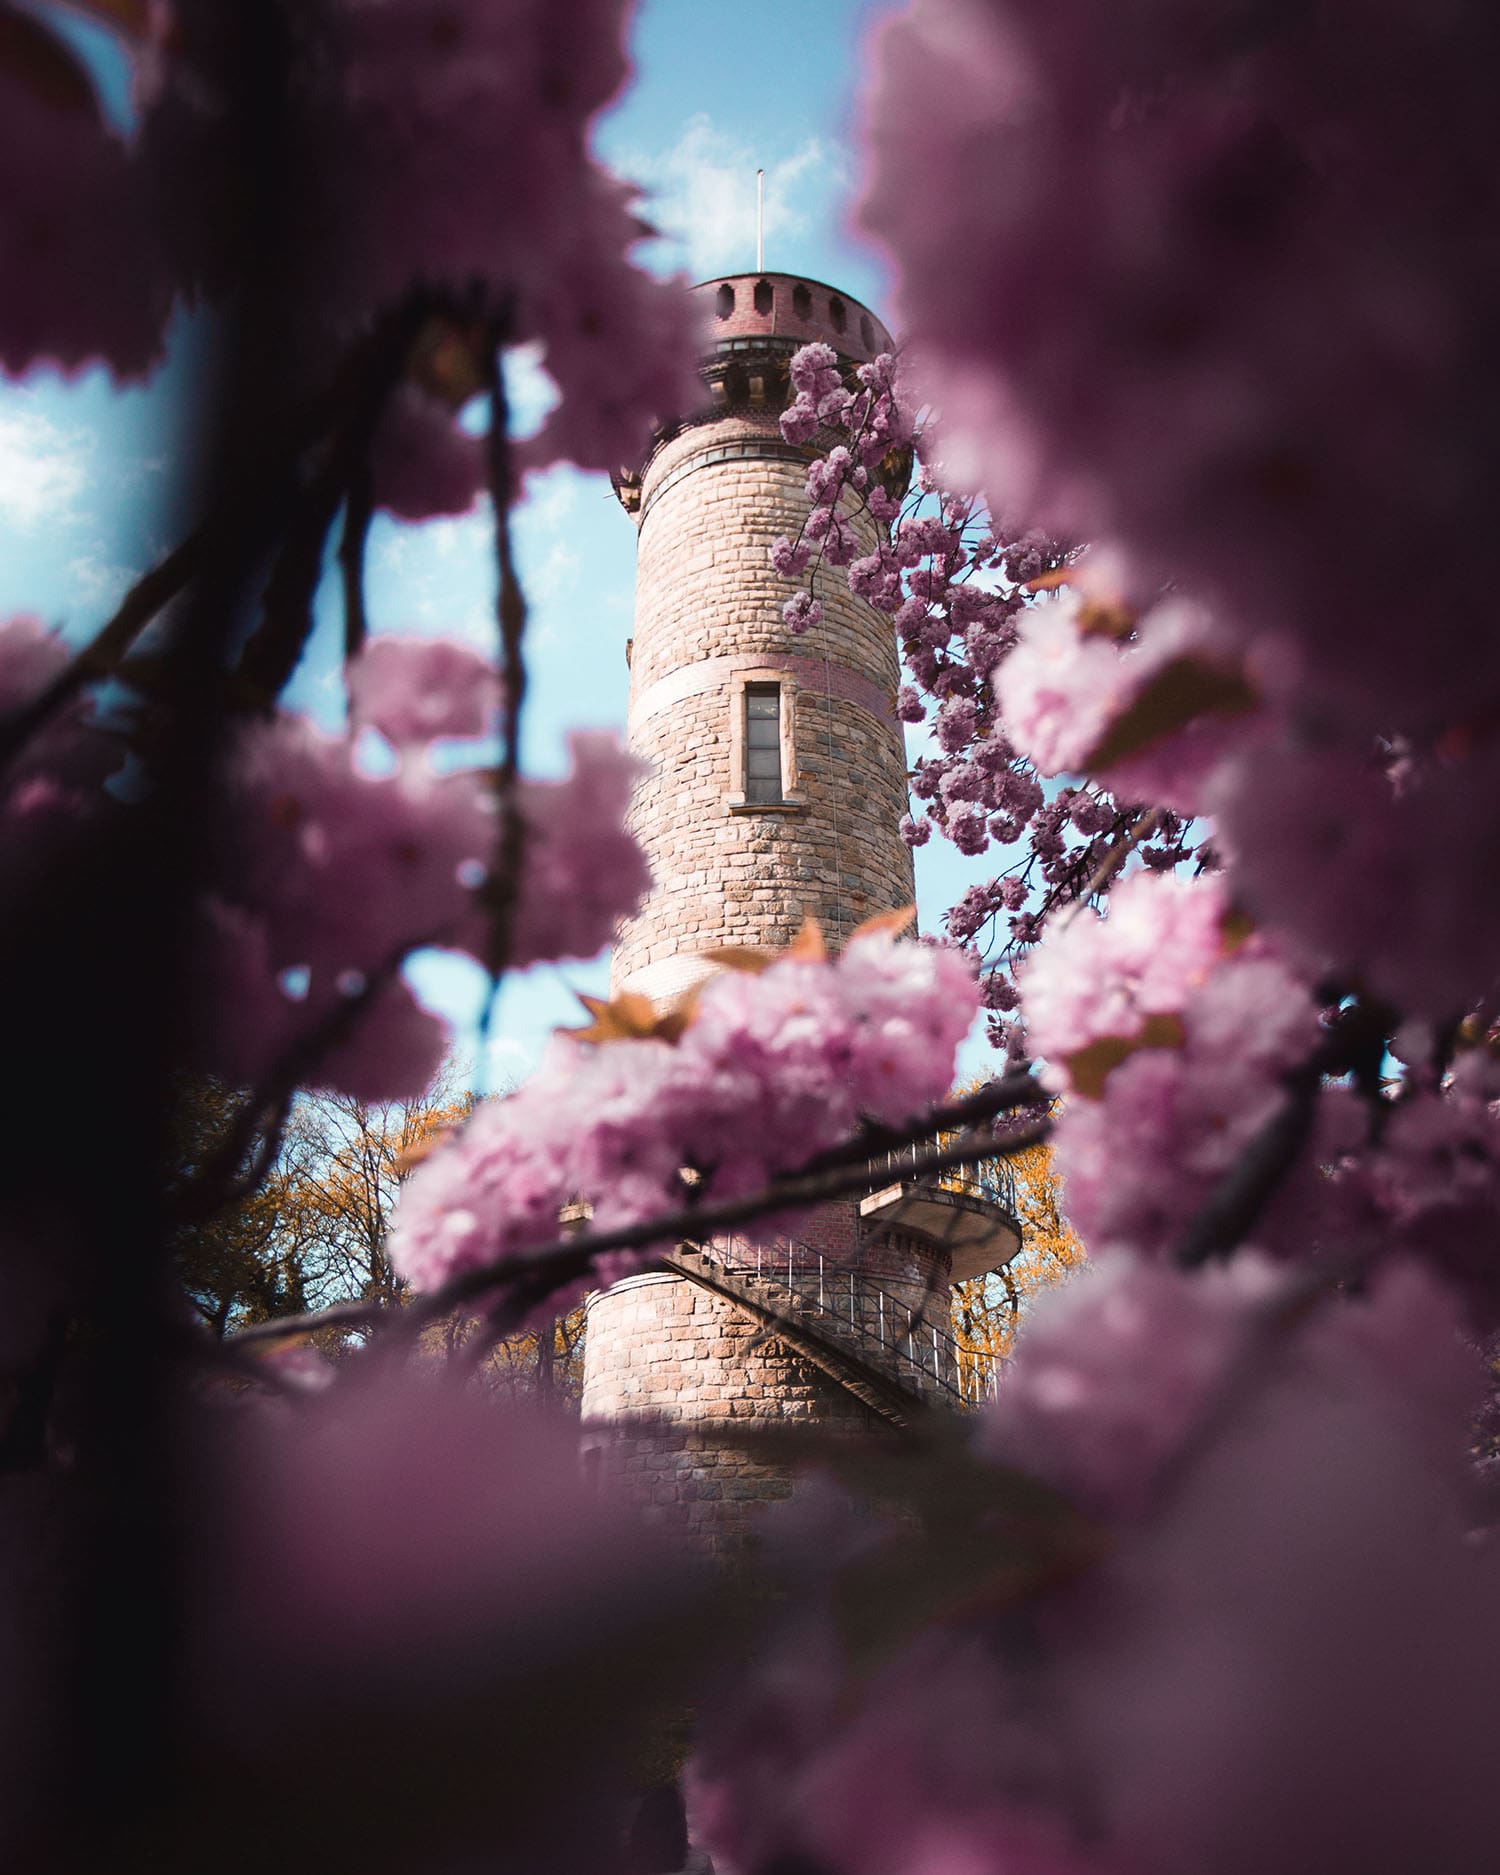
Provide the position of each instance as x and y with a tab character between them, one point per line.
880	1324
992	1180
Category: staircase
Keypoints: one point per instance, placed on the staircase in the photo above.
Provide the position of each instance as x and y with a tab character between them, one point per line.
862	1336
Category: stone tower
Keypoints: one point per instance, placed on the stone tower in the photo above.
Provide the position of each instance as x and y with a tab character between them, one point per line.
778	777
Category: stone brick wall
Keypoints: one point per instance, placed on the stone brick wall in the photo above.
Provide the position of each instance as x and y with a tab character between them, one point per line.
708	611
659	1345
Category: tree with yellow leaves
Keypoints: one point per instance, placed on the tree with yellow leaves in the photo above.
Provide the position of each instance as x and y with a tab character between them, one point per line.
363	1154
310	1229
988	1310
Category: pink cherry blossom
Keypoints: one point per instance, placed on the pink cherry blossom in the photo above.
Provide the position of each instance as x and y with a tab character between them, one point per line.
441	145
414	690
1132	1710
334	873
1103	976
1356	869
774	1067
421	462
1204	1040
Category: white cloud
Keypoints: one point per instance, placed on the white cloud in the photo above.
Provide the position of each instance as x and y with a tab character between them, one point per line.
97	583
44	468
547	528
701	194
530	392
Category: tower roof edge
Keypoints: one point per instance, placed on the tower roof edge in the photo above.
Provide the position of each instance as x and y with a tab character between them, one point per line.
788	306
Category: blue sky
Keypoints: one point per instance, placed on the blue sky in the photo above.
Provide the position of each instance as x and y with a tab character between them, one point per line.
720	89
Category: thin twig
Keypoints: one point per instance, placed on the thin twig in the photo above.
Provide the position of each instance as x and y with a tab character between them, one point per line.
247	493
1144	826
104	651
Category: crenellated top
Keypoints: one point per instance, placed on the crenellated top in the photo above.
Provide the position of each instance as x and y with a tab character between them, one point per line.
751	324
751	306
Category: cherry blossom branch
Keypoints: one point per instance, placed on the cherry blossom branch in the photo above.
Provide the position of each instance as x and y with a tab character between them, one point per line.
155	589
553	1266
1236	1205
1016	1090
1144	825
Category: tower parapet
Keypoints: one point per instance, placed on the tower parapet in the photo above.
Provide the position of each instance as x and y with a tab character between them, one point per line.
752	324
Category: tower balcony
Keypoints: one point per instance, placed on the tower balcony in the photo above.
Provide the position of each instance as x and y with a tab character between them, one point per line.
967	1212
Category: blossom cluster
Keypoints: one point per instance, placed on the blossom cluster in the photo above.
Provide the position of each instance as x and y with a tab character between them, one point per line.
1258	1577
1221	305
1214	284
1227	305
1235	191
1171	1036
303	1526
958	587
328	874
773	1067
437	146
335	854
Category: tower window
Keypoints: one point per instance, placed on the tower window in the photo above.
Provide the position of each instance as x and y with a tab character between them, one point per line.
801	301
837	313
762	772
763	296
724	301
762	744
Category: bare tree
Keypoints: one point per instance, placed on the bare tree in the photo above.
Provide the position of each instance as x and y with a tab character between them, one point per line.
360	1157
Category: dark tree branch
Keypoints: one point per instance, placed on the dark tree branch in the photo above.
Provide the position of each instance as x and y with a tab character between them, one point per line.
359	507
1007	1095
272	653
1355	1046
1239	1200
502	891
